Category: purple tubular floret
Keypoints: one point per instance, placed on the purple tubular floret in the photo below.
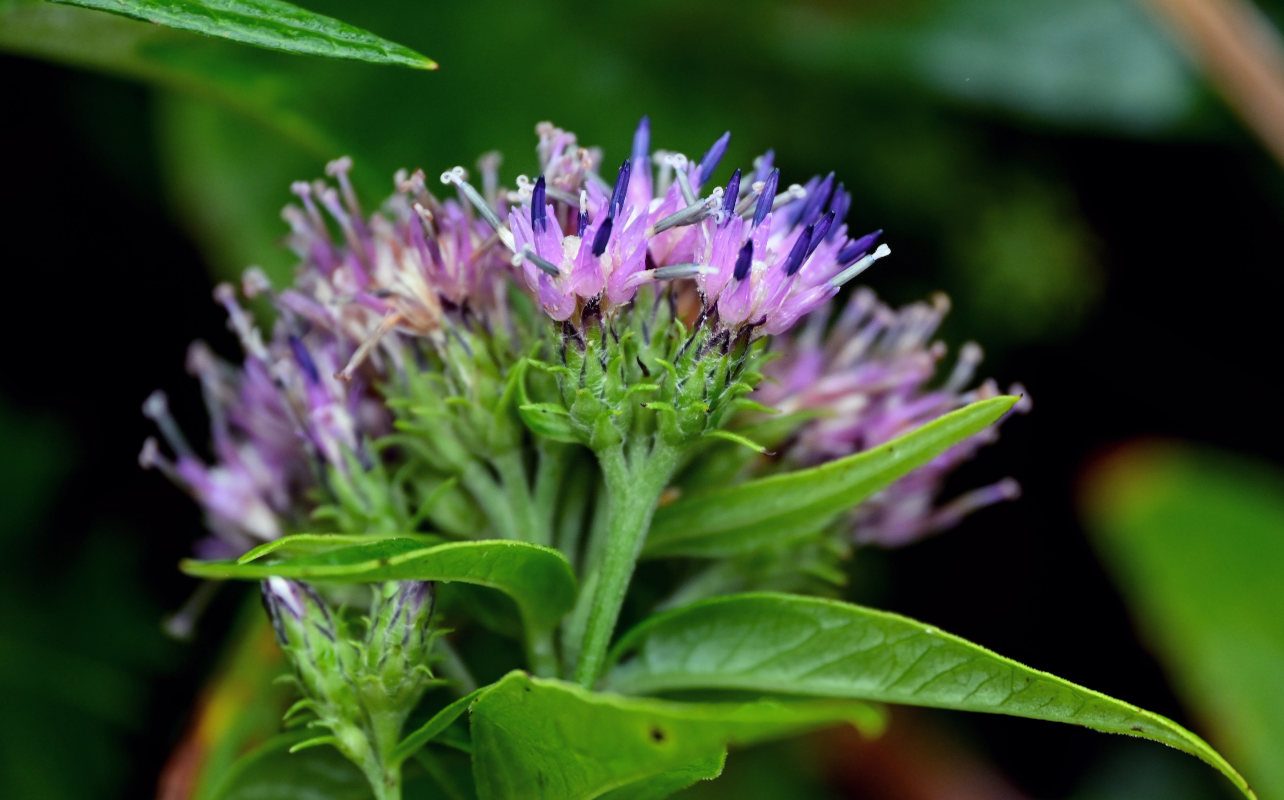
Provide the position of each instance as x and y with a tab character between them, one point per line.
304	358
743	261
709	162
764	165
539	217
621	189
767	197
642	141
602	236
839	205
733	192
822	227
816	200
799	252
857	248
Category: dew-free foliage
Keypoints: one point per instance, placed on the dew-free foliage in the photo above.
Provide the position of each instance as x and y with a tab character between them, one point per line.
538	578
772	510
539	739
789	644
266	23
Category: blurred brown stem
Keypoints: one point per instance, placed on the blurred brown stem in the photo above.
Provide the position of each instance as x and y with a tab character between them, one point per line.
1241	53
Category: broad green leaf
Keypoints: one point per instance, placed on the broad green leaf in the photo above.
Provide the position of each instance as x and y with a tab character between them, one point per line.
539	579
272	24
661	786
536	738
791	644
1195	538
727	521
303	544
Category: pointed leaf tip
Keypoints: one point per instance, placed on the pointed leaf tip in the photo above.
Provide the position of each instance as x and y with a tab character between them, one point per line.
271	24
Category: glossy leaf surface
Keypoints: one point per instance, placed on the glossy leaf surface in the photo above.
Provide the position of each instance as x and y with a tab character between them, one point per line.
538	738
722	522
265	23
539	579
777	643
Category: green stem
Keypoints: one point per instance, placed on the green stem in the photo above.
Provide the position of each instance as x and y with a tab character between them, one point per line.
570	520
386	783
491	498
633	486
540	653
517	492
554	461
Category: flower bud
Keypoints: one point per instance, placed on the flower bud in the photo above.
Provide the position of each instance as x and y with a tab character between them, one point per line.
398	641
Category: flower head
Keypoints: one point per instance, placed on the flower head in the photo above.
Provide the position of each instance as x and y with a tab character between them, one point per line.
760	258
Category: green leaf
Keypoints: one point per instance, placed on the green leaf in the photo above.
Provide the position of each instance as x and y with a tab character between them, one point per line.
803	645
432	728
727	521
1193	536
271	770
536	738
265	23
302	544
539	579
660	786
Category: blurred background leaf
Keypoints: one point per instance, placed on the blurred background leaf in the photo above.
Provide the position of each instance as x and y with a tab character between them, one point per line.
272	24
1195	538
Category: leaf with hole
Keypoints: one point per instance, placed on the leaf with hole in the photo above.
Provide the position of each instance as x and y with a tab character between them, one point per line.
540	739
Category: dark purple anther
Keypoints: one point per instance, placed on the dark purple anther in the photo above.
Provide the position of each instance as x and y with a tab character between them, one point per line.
767	197
763	165
603	236
709	162
539	214
583	225
306	363
817	197
642	143
799	252
729	199
744	261
621	189
822	230
839	205
855	249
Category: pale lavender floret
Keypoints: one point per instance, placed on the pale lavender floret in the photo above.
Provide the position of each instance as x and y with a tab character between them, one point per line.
299	402
872	376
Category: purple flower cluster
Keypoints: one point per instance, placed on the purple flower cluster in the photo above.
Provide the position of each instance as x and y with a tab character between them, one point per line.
871	376
372	293
761	258
302	400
